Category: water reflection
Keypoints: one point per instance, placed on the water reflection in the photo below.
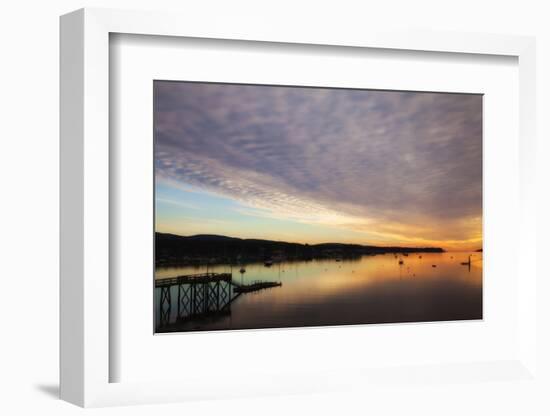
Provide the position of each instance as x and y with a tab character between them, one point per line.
373	289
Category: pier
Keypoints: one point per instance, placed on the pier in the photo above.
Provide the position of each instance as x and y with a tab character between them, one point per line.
202	296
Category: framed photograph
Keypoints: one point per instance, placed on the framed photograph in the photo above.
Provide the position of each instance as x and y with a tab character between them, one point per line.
285	206
268	211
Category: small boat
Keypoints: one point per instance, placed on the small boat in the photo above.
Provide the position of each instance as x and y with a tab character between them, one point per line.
268	263
400	262
406	254
338	259
243	270
434	265
467	263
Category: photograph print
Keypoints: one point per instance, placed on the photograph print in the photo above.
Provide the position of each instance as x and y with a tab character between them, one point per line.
290	206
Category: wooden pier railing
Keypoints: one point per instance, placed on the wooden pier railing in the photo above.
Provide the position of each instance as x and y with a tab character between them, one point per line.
193	278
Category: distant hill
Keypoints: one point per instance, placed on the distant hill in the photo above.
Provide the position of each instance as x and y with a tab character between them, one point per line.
203	248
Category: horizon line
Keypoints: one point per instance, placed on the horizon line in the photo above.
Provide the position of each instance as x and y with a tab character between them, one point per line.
314	244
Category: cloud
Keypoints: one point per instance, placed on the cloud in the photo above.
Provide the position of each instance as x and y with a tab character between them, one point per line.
400	163
176	202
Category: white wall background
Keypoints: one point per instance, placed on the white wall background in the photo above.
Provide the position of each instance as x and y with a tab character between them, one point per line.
29	204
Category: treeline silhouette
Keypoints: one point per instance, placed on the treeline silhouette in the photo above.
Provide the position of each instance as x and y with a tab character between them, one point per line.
173	249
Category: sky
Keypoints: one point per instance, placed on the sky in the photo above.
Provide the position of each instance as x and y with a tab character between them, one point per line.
315	165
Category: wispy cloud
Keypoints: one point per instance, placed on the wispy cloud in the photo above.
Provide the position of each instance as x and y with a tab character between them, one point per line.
402	165
175	202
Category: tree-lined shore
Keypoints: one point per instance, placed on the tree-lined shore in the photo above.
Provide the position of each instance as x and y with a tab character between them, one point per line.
171	249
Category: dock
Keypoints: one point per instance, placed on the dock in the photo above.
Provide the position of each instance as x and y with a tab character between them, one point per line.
198	296
255	286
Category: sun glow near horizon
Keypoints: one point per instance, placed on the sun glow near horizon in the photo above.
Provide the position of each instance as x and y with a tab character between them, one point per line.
193	211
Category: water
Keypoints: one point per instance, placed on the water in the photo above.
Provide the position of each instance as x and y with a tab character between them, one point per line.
372	289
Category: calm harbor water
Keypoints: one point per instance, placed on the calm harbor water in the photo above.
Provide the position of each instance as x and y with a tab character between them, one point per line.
372	289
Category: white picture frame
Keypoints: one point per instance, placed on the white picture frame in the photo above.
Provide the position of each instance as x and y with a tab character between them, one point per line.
85	211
